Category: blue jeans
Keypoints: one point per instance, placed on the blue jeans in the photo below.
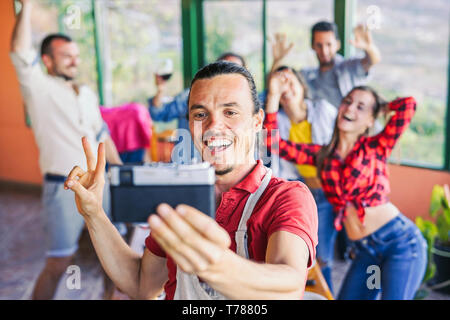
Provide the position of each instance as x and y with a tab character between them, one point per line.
326	234
392	260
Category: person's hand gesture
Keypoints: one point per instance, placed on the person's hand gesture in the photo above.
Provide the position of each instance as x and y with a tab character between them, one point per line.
196	242
293	96
362	38
88	185
280	48
278	83
161	84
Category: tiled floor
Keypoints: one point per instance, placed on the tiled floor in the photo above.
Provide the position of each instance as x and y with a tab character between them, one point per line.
22	254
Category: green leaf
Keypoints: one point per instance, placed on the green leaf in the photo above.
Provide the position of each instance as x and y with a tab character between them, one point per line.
437	196
429	231
420	224
446	199
447	215
430	272
443	228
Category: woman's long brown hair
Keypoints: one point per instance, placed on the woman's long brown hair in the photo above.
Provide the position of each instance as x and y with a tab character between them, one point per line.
326	151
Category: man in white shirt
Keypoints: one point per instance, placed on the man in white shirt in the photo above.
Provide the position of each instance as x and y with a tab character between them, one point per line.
61	112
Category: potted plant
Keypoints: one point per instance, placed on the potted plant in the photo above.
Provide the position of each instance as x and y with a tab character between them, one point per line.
436	233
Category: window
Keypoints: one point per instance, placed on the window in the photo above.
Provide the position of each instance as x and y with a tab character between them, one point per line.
75	19
235	26
136	36
413	38
295	19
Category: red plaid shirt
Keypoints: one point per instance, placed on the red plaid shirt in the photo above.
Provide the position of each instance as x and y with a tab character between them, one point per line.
361	178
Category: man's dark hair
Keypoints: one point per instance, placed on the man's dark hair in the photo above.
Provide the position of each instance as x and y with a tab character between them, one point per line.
324	26
225	67
46	46
231	54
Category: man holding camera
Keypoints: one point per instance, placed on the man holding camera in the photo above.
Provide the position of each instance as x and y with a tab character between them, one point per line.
265	232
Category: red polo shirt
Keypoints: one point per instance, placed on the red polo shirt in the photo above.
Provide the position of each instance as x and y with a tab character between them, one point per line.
284	206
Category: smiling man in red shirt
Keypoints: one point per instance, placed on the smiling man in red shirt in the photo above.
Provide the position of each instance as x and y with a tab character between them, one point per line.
265	232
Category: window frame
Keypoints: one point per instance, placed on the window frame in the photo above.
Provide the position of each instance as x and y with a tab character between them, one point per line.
193	36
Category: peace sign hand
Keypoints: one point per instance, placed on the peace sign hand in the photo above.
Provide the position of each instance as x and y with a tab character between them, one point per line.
88	187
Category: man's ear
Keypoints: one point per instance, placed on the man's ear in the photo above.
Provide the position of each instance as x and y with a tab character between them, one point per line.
47	61
259	117
338	45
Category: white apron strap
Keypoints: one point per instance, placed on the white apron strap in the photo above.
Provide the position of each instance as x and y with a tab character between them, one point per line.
241	232
188	285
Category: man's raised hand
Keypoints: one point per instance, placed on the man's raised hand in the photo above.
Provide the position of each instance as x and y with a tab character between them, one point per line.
88	185
362	38
280	48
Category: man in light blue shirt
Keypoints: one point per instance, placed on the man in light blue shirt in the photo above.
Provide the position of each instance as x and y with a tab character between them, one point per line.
336	76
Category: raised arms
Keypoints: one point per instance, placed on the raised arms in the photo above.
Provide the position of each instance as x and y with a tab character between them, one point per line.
21	36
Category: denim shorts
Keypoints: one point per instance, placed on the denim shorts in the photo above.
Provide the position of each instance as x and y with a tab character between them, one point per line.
61	220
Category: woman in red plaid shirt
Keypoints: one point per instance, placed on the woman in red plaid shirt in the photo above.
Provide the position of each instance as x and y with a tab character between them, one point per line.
390	252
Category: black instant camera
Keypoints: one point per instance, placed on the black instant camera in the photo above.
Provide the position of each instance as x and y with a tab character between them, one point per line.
136	190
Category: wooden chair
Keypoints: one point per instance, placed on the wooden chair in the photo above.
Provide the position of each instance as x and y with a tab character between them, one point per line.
161	146
316	283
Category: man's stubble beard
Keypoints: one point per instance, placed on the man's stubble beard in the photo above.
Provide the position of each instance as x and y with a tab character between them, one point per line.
224	171
327	64
62	75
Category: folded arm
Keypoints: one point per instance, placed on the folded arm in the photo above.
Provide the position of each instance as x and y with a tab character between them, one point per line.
404	110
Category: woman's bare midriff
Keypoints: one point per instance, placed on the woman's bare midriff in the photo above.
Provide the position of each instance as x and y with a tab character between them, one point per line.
375	218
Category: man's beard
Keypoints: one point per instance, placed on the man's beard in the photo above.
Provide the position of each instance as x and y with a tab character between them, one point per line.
63	75
327	64
67	78
224	172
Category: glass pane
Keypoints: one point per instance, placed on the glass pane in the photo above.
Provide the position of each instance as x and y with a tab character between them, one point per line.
295	18
44	20
77	21
235	26
137	36
413	40
74	18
